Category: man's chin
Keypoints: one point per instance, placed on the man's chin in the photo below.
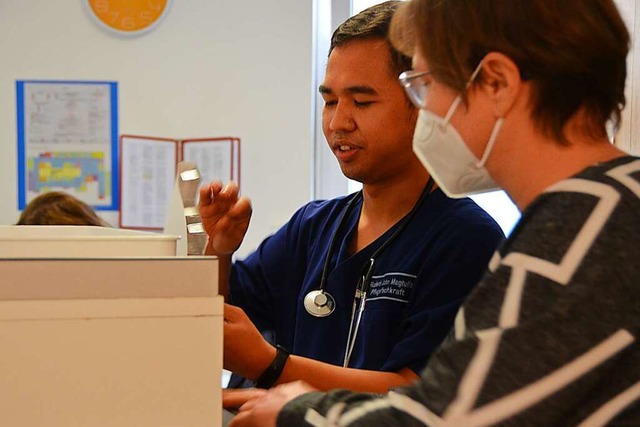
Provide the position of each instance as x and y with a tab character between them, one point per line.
352	175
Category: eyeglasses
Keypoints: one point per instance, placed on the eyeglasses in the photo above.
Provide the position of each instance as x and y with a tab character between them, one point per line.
415	86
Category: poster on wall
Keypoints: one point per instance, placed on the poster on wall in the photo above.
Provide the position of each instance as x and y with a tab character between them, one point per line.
68	140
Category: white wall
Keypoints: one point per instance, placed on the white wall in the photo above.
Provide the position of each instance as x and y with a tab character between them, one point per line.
224	67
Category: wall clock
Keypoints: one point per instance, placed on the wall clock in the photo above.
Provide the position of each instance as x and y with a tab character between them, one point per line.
128	17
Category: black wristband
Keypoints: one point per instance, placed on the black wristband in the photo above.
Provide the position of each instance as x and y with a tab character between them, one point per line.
273	371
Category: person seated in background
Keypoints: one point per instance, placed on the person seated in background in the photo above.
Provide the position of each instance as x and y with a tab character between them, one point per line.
401	246
522	91
59	208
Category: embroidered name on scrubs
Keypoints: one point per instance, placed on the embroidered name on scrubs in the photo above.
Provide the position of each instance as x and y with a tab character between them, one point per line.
391	286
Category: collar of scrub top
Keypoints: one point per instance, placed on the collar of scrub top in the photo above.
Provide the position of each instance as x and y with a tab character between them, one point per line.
362	288
405	221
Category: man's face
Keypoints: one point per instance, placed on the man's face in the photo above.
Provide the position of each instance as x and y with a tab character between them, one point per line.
367	121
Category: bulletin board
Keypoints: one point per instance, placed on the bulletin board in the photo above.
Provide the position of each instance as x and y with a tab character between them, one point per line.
148	166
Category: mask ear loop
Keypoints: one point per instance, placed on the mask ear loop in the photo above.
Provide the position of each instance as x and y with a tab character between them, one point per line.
452	110
492	141
496	128
457	101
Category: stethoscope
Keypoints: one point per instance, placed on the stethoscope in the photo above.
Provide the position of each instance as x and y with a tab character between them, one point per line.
320	303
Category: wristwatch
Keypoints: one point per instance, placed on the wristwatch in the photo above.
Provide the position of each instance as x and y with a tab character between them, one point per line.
270	375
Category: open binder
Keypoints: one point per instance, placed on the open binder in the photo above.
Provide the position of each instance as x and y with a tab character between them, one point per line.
148	167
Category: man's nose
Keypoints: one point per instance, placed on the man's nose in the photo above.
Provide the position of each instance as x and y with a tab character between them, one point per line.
342	118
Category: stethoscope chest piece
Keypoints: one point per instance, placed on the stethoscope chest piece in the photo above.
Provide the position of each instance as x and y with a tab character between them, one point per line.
319	303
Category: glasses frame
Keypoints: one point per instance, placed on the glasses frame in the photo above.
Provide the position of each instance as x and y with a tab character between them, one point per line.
415	86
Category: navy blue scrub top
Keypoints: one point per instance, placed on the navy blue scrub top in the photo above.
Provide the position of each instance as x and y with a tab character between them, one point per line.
419	281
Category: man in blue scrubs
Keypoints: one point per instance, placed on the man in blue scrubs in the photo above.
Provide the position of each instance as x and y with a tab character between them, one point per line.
418	279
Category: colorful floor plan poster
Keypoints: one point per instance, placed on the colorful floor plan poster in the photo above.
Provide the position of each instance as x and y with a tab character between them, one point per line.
67	140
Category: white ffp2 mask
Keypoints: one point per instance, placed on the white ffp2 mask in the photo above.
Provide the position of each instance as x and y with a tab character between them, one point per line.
441	149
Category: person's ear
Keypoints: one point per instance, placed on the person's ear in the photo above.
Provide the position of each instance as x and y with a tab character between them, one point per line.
501	81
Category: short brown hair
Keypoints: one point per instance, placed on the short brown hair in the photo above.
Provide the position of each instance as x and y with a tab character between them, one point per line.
59	208
372	22
574	51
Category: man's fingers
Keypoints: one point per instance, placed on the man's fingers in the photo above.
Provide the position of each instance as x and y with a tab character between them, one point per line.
224	196
241	419
230	189
237	398
232	313
241	210
248	405
209	192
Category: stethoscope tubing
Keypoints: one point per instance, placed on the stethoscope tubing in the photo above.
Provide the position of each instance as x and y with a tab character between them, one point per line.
359	300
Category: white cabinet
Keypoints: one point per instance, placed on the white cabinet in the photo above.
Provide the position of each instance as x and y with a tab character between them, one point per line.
110	342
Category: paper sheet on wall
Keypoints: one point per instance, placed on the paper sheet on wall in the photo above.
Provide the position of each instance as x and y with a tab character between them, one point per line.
217	159
148	169
67	140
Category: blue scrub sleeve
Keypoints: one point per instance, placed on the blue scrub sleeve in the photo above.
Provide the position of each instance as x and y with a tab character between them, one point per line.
456	264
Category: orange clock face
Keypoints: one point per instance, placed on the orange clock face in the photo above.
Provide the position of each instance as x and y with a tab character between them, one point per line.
129	16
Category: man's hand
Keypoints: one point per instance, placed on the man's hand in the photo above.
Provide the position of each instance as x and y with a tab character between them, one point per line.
225	217
246	352
263	410
234	398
